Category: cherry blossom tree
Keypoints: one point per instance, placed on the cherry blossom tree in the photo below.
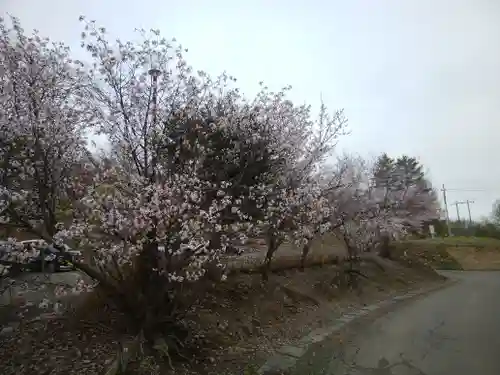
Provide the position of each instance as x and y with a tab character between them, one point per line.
371	214
192	166
42	124
365	215
159	116
409	198
43	118
293	206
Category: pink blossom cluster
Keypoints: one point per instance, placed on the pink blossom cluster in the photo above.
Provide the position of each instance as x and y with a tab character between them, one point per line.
119	217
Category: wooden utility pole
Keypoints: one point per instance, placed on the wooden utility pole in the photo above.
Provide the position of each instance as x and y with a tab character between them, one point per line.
468	209
456	204
446	211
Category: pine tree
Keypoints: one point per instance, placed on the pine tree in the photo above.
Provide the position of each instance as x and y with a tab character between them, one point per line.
408	171
383	171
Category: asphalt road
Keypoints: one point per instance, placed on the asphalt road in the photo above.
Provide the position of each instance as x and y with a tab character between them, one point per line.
454	331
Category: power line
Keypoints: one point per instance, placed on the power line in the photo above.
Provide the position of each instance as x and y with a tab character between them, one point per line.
456	204
467	202
473	190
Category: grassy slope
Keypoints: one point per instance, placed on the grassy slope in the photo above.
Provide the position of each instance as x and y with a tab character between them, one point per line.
490	243
469	253
433	254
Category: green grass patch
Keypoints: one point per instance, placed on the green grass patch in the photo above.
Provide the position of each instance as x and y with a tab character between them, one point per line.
477	242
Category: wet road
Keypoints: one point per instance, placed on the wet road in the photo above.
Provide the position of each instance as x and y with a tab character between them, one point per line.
454	331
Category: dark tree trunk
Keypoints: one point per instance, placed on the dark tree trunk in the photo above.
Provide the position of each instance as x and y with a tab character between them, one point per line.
272	245
305	253
385	249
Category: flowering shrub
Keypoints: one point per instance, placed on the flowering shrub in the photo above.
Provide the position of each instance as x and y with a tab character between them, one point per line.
42	122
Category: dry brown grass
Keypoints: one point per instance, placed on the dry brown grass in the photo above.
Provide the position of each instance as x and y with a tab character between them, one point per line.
467	253
472	258
426	254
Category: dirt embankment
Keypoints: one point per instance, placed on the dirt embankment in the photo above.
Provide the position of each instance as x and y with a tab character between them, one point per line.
459	253
242	321
246	320
435	255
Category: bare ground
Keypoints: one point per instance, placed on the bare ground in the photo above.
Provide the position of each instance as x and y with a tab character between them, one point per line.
57	346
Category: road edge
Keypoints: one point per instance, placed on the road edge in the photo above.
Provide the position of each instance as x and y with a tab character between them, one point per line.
288	355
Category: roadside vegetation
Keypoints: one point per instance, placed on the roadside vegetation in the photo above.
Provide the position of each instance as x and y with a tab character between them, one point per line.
467	253
212	226
478	242
431	252
473	245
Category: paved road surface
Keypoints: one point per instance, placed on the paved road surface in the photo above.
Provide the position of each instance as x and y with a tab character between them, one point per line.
454	331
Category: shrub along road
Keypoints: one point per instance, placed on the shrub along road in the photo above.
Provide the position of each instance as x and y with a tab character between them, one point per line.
454	331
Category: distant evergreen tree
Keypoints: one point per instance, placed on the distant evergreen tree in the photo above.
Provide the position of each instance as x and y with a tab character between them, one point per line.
383	172
408	171
398	173
401	173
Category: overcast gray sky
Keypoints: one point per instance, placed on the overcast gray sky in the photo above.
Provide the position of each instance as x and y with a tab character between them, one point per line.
420	77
